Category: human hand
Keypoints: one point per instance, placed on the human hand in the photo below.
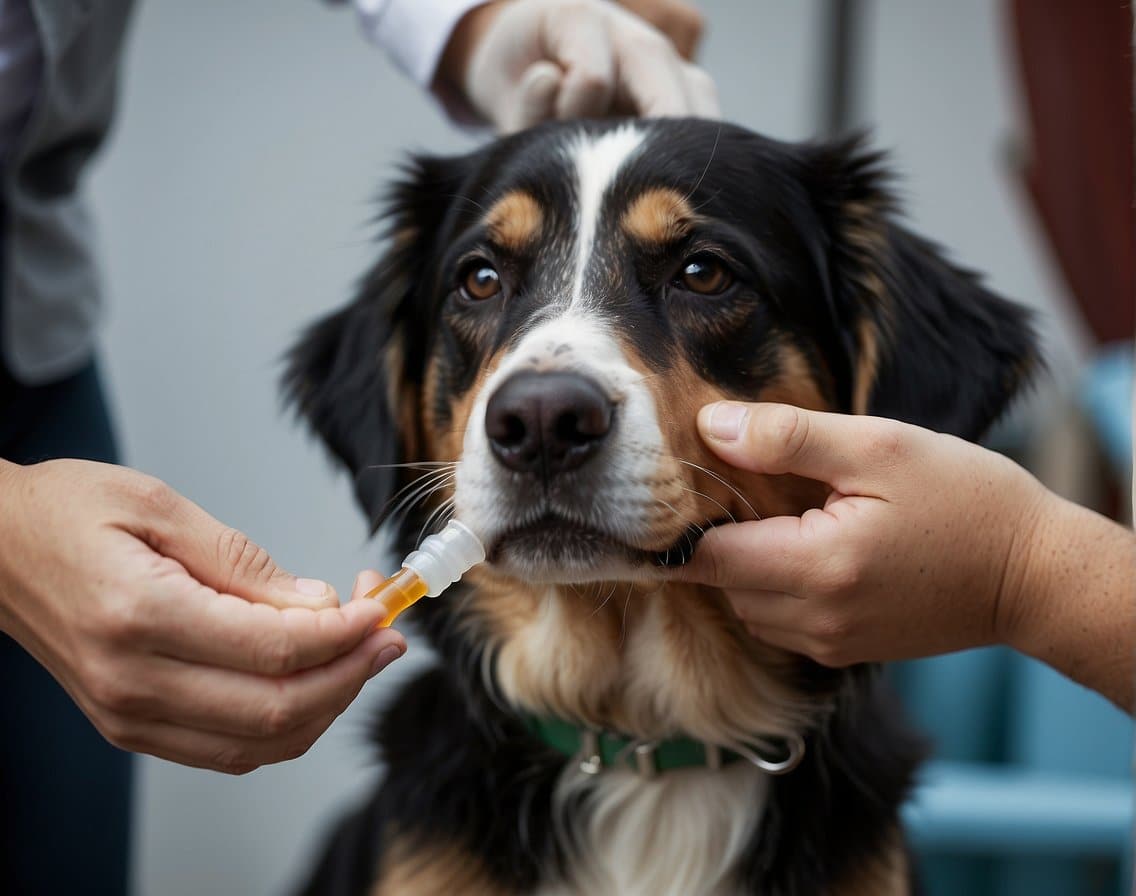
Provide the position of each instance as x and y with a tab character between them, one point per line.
520	63
922	547
174	634
681	22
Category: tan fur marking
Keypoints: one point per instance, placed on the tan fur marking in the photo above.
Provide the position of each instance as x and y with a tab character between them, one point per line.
557	649
795	383
393	359
690	667
862	227
679	394
515	221
447	445
867	366
412	869
403	398
658	216
885	876
865	235
405	237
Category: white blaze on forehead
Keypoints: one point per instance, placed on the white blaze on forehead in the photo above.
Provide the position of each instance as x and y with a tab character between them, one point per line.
583	343
597	159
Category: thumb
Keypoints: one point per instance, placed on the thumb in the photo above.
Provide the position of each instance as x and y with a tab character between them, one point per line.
774	554
534	100
227	560
848	453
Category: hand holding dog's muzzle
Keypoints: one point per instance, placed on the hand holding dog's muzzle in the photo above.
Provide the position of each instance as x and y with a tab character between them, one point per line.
918	549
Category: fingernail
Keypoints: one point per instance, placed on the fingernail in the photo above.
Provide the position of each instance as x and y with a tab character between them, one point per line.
386	656
726	419
312	587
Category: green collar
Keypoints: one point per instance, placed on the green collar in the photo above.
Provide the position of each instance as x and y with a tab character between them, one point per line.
597	750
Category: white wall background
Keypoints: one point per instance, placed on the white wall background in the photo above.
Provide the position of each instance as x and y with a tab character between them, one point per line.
234	203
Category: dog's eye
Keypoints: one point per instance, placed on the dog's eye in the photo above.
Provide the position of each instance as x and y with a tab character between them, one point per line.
479	280
705	275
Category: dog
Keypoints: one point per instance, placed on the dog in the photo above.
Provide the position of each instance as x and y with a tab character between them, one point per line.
529	356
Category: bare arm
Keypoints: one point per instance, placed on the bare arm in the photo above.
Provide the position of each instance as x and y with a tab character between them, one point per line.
1071	598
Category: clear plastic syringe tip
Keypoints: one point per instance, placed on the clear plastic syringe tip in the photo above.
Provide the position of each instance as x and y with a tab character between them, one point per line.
445	557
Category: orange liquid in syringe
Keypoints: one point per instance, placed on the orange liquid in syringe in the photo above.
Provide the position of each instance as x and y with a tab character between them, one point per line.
400	591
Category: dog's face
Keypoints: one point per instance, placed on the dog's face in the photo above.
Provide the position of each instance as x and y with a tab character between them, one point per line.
598	301
554	310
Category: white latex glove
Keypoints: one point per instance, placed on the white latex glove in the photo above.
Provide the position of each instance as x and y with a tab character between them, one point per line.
520	62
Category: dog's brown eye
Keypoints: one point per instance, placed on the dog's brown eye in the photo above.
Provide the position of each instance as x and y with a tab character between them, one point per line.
480	281
705	275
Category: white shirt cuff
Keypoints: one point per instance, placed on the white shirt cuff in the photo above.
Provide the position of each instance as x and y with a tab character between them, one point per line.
413	32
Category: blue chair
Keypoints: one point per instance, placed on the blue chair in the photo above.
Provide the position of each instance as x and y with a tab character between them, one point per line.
1106	397
1030	793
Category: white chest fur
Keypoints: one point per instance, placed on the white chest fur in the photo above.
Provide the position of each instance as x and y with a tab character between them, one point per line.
679	834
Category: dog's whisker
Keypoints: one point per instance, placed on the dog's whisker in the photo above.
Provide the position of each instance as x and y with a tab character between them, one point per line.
422	494
706	169
686	520
604	602
724	509
409	492
688	523
644	378
707	201
469	199
417	481
733	488
414	465
623	620
435	515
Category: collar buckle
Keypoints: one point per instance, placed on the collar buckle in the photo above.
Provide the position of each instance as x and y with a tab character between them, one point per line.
590	758
641	756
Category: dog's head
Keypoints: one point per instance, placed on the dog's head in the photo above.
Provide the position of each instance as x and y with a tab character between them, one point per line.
552	311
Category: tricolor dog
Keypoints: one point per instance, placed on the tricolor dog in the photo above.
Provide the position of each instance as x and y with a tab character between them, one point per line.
529	355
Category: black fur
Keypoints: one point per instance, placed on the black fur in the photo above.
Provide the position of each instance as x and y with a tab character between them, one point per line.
954	354
813	228
824	820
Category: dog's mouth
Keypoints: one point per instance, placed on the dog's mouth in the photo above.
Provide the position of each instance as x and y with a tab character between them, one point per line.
680	553
555	542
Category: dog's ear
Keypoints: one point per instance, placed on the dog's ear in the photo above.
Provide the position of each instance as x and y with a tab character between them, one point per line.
356	375
928	343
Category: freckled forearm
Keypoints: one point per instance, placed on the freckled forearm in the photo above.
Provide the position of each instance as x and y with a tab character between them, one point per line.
10	515
1077	609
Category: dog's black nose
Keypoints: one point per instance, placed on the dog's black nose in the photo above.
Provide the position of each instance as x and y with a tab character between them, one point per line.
547	423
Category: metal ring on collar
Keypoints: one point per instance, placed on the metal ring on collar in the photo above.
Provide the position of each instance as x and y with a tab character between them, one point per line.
795	744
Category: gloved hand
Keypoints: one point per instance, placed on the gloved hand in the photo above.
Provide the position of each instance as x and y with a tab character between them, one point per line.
519	63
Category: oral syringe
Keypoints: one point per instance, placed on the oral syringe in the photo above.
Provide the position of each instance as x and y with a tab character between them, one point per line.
440	560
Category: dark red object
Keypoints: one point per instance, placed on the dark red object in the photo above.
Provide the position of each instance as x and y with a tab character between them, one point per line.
1075	61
